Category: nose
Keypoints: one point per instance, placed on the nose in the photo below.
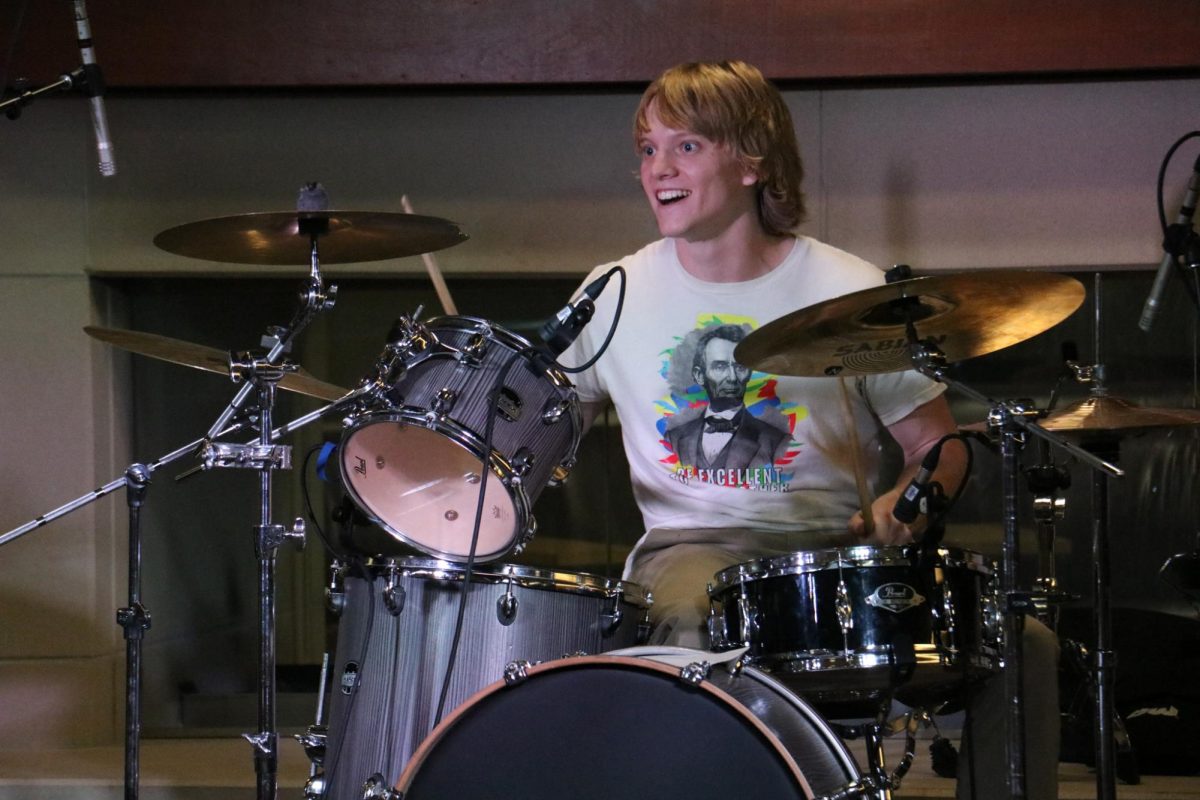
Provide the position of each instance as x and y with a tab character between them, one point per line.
661	165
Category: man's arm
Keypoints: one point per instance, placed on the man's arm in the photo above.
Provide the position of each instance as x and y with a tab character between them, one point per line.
915	434
589	412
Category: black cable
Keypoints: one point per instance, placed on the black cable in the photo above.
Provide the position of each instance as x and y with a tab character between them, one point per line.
1168	237
308	506
612	328
1162	173
468	569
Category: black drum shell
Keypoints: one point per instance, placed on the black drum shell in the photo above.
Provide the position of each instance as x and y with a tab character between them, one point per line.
786	610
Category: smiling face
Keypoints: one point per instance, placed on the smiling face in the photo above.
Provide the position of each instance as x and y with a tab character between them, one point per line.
697	189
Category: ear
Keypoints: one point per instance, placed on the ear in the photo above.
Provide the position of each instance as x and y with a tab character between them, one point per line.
750	176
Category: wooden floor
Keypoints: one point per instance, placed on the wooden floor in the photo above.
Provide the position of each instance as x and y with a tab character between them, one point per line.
208	769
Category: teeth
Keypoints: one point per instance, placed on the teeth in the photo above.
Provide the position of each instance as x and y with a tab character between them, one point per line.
667	195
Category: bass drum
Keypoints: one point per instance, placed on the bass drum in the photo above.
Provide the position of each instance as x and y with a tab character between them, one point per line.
611	726
395	636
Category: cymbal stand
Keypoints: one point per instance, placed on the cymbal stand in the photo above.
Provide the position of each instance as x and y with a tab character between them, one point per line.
1010	420
1045	481
262	375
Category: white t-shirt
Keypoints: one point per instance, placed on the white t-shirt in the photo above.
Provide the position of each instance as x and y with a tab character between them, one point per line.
787	466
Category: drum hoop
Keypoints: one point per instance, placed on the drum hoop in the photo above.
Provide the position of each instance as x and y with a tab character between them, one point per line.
523	576
861	556
515	341
523	525
626	662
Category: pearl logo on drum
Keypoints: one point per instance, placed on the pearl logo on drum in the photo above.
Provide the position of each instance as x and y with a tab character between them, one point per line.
895	597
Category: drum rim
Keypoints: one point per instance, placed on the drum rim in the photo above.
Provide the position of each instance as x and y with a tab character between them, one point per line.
859	556
412	768
519	342
521	575
524	525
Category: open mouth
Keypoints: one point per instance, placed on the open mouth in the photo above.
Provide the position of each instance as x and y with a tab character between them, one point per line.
668	196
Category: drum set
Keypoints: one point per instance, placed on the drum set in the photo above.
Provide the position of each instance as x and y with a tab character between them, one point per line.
457	673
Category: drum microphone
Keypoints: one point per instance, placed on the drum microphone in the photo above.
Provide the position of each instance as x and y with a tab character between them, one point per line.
564	327
93	88
913	500
1174	245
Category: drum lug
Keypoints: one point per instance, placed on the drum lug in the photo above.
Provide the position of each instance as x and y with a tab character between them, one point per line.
376	788
522	462
747	617
643	628
335	594
555	410
695	673
475	348
443	404
845	611
315	787
718	631
394	595
506	605
610	618
516	672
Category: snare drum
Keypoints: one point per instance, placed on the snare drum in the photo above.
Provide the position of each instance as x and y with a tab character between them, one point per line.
635	728
395	635
855	623
415	466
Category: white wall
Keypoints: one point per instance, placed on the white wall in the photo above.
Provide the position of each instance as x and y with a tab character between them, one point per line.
942	178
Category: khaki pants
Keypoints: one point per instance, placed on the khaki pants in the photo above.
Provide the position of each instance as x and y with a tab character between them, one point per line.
677	566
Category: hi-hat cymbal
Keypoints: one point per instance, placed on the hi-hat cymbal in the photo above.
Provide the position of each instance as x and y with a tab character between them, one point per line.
284	237
1106	413
208	359
966	314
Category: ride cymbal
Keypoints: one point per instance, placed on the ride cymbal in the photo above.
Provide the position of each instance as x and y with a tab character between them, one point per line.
965	314
285	237
208	359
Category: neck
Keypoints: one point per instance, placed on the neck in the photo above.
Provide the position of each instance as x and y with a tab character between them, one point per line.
741	253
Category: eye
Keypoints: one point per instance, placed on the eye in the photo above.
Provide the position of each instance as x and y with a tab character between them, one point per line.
646	150
689	147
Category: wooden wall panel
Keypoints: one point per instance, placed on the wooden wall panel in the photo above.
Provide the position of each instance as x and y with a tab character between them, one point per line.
233	43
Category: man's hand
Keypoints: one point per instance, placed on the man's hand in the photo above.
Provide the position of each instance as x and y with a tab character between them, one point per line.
888	529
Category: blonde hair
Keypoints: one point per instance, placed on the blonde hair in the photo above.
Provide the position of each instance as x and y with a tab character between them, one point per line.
731	103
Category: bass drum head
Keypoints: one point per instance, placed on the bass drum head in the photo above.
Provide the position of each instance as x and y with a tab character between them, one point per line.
598	728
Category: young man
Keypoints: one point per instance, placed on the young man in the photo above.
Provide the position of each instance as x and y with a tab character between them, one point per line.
721	170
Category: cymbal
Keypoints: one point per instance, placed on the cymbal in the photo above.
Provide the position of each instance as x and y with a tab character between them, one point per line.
966	314
284	237
208	359
1107	413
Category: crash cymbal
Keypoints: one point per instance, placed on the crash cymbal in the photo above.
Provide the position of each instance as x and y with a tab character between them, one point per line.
284	237
1107	413
208	359
966	314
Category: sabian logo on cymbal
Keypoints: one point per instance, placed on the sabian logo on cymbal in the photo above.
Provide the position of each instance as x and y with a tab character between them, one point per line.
882	345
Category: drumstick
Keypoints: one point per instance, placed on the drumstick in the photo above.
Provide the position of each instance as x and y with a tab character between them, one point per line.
435	274
860	477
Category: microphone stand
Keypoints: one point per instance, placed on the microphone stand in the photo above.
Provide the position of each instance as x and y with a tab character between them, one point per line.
1010	420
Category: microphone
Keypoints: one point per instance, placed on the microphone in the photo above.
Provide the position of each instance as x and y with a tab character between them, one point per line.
1173	243
564	327
93	88
910	503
